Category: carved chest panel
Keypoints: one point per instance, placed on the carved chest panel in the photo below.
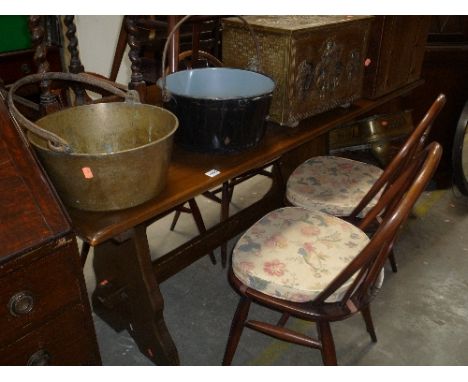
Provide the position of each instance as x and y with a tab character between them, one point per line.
317	62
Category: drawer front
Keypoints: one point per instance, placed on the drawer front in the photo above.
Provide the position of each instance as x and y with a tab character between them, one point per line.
65	340
32	293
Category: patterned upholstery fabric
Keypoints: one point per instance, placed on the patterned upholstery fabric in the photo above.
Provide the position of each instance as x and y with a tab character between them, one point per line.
293	253
331	184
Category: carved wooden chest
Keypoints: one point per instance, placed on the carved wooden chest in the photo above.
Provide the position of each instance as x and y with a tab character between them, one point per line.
317	62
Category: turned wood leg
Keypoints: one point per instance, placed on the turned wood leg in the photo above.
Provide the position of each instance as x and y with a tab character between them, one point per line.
225	201
134	41
366	314
393	263
125	264
328	345
237	327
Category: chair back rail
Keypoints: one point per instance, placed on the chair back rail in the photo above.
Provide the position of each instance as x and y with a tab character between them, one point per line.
411	147
370	261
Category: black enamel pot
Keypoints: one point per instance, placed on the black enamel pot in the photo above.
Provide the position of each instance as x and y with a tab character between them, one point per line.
220	110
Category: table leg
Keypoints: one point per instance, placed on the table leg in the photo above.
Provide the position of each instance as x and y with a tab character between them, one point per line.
127	288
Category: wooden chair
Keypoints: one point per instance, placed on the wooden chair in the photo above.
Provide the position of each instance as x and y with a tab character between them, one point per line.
348	188
318	267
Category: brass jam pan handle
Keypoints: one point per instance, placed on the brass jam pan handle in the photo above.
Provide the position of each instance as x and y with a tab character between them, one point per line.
55	142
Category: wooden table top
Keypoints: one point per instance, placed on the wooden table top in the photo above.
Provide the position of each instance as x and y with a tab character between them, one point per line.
187	179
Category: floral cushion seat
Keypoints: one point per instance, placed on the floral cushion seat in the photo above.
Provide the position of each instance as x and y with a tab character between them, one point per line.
331	184
293	253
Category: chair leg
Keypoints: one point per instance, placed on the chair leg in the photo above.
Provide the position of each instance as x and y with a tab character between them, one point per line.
393	263
366	314
277	174
225	201
84	253
328	346
174	221
283	319
237	327
231	192
199	222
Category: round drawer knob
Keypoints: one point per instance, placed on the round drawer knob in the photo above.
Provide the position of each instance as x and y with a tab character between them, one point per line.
39	358
25	69
21	303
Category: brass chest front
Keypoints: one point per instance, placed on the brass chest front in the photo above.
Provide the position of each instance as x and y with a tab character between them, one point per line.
317	62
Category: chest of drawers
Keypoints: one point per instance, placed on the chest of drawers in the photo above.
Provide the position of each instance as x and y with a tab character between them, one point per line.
45	317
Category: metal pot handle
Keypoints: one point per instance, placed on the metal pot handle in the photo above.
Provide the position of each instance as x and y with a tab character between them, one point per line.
55	142
165	95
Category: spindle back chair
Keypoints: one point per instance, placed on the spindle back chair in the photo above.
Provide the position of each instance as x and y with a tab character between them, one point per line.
359	184
360	275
